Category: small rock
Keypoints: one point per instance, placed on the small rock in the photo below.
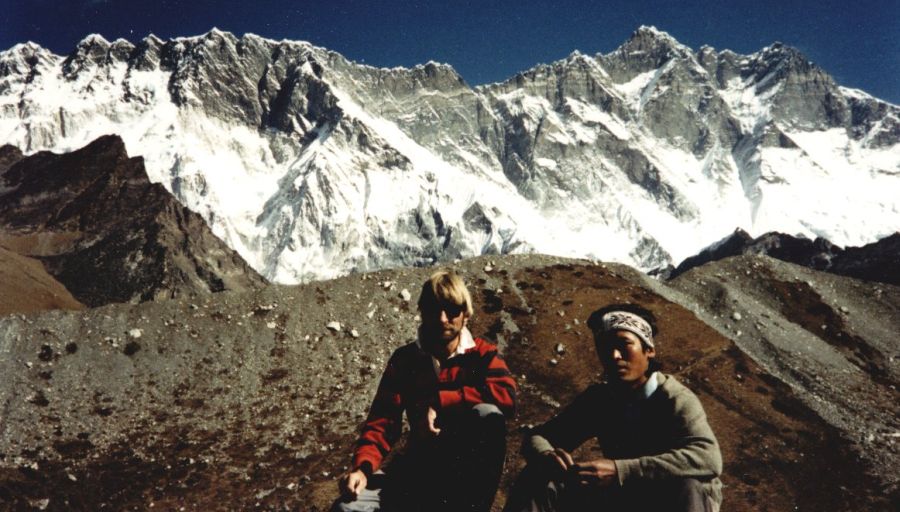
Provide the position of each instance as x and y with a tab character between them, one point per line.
135	333
270	325
736	316
387	285
554	362
405	295
354	333
845	310
370	314
334	326
291	486
560	348
561	313
488	268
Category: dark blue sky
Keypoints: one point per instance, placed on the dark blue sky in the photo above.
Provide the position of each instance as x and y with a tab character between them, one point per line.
857	42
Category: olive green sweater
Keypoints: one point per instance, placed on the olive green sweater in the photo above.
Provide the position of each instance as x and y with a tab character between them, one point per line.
665	435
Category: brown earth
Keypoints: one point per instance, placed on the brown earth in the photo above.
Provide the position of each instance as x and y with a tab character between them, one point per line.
238	401
26	287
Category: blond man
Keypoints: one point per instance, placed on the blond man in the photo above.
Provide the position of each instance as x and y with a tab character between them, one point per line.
457	393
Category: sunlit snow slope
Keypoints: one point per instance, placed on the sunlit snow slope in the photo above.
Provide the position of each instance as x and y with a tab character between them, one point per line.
311	166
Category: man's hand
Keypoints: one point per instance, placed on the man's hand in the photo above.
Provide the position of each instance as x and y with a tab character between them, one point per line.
426	426
595	473
430	421
556	462
352	483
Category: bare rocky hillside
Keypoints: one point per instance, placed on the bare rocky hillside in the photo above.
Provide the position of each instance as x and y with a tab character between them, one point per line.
237	401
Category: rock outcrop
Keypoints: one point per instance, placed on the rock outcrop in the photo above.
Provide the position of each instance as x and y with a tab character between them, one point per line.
106	233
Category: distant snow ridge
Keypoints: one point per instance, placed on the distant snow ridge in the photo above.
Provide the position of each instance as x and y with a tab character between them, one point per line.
312	166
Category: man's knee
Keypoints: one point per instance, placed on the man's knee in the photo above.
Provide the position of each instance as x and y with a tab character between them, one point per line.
488	411
687	494
342	505
489	419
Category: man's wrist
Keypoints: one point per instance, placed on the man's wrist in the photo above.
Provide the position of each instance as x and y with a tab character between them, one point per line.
366	468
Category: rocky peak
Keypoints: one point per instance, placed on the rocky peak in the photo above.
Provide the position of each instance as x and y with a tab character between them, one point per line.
90	51
780	61
439	76
108	234
653	44
873	262
22	59
647	49
146	54
804	95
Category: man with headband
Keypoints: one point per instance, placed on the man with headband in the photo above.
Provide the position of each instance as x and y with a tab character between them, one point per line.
659	452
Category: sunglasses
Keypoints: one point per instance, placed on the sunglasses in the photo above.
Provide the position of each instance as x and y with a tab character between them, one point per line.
452	310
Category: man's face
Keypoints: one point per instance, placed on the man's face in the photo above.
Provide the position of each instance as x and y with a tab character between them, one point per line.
624	358
443	322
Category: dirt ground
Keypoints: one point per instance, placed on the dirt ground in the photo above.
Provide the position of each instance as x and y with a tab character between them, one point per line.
250	401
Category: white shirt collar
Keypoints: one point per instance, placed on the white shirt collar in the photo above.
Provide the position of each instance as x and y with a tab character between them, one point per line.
650	386
466	342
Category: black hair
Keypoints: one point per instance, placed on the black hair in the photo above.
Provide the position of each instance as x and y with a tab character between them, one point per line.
595	323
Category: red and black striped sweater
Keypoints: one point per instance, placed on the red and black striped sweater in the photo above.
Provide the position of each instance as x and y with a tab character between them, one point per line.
409	383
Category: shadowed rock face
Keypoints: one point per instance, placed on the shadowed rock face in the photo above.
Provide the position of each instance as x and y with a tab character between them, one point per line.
238	400
872	262
108	234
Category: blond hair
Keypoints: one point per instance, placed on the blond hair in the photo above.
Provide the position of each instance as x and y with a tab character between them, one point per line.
445	287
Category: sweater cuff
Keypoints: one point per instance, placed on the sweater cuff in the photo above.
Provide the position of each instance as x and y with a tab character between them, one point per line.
449	397
627	469
366	468
537	445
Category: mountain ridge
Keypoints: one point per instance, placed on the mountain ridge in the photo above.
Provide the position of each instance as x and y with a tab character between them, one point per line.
289	151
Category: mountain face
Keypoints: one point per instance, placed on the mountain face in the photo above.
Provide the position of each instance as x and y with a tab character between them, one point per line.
105	232
872	262
310	165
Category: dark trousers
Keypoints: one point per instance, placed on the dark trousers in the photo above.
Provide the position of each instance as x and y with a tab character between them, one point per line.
531	494
458	471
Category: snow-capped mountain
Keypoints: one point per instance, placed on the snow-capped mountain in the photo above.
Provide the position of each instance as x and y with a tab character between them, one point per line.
311	166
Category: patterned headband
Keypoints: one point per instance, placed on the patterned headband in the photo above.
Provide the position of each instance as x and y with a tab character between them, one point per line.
616	320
